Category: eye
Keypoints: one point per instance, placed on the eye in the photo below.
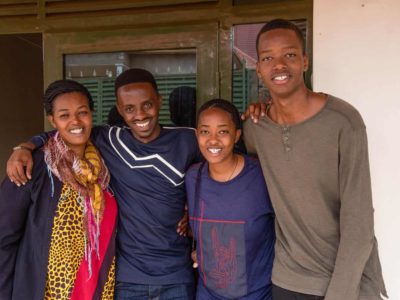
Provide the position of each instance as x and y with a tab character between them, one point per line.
83	113
147	106
203	132
129	109
223	132
266	58
291	55
63	116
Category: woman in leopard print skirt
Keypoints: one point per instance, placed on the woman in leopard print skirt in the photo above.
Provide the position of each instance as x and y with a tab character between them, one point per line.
57	232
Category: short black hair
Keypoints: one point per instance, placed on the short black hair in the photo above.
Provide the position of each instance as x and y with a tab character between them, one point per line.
64	86
114	118
182	106
225	106
135	75
282	24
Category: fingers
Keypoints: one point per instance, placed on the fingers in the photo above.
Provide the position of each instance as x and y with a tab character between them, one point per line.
16	173
28	171
194	258
263	109
182	227
255	111
15	167
248	113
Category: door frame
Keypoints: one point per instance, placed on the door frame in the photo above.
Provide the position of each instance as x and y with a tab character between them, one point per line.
202	37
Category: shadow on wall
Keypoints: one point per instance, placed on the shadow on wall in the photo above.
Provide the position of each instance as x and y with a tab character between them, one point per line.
21	85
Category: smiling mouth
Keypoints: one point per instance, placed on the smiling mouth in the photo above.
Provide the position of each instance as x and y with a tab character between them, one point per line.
280	77
142	124
214	150
76	130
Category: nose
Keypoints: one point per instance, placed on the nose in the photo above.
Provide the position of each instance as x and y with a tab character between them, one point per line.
140	114
75	118
279	63
213	138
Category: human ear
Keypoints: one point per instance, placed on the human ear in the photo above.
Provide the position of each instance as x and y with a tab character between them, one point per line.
50	118
306	62
238	134
258	71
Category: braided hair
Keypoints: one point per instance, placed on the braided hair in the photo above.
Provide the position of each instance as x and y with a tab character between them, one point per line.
64	86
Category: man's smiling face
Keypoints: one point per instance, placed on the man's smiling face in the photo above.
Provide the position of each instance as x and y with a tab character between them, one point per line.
281	62
139	105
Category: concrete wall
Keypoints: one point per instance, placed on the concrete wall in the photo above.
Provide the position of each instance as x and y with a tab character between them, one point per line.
357	57
21	86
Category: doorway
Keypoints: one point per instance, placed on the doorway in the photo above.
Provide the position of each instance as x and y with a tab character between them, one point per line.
21	85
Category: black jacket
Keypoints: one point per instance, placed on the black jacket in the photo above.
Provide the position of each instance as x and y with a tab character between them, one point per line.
26	219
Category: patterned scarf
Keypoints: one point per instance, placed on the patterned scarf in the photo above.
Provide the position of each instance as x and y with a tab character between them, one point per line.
88	176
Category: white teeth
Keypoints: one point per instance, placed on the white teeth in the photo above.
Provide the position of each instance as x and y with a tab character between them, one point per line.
281	77
143	124
76	130
214	150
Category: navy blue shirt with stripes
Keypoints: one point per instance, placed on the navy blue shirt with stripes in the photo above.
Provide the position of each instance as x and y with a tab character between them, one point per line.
148	183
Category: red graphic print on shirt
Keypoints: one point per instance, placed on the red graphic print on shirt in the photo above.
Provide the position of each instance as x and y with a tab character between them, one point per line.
225	270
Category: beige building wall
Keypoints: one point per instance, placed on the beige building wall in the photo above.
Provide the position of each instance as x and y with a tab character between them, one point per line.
21	89
357	57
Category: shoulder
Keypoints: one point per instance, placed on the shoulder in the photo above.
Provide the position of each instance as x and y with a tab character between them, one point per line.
253	166
38	170
253	162
39	165
180	131
248	124
345	111
182	137
102	129
193	170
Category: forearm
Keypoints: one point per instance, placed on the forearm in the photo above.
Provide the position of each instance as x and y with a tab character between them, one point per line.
39	140
356	219
25	146
353	253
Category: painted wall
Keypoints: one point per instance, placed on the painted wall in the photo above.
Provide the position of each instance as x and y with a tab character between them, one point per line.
21	86
357	57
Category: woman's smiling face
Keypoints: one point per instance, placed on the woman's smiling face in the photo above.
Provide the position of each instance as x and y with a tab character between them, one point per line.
216	134
72	117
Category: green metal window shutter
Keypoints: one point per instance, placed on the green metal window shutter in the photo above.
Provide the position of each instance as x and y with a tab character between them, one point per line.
102	91
166	83
239	89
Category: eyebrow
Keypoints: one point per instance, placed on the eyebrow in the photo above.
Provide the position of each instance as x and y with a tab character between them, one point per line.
149	100
221	125
66	109
285	48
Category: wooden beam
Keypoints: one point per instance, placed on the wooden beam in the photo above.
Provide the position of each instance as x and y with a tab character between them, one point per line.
21	24
20	9
101	5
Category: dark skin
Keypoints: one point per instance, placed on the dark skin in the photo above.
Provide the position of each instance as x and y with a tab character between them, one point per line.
281	66
139	104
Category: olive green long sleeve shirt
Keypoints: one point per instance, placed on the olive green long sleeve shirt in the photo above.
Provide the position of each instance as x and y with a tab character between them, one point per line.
317	173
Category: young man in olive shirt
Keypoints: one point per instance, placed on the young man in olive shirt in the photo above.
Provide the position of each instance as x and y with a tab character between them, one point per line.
313	151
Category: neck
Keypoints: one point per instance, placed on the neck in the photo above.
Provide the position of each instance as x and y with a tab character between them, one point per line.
225	170
79	152
150	138
296	107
